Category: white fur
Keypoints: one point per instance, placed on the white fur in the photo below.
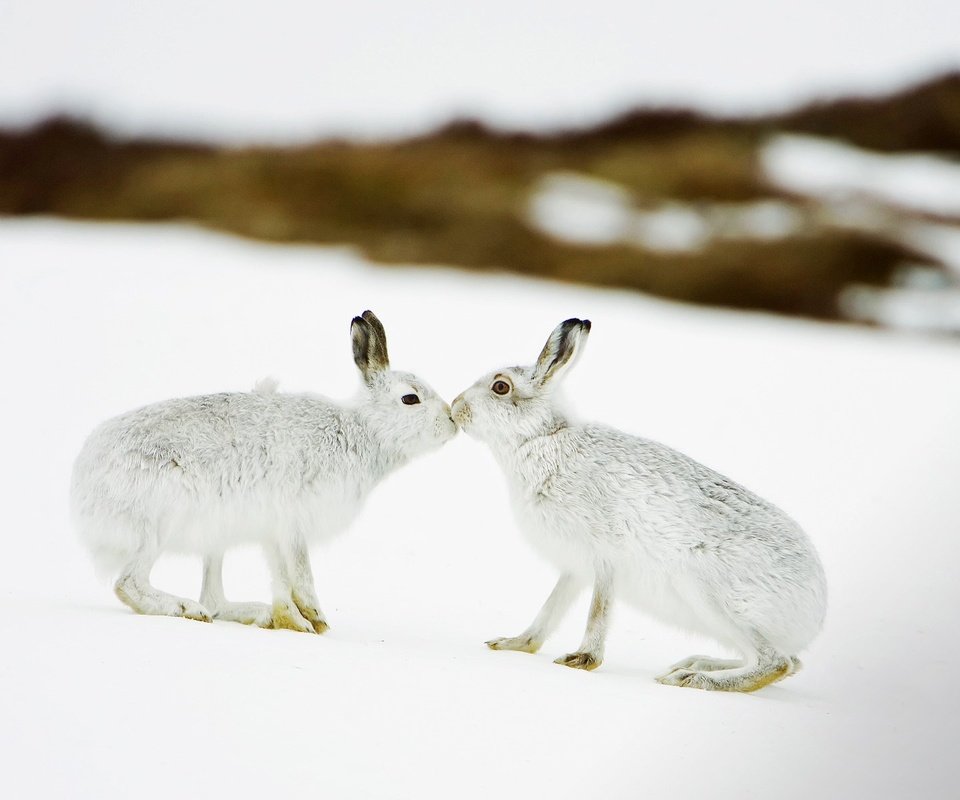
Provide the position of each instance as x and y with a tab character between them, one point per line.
268	385
202	474
648	524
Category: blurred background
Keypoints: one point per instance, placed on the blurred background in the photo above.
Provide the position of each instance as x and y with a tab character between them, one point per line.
792	158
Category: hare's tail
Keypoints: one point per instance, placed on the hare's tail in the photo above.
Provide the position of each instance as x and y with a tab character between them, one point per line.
267	385
111	542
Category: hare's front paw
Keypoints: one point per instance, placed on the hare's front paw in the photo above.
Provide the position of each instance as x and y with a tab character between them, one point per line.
287	615
315	618
523	644
586	661
309	609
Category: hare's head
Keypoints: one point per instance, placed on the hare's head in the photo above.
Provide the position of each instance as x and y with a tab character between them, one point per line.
404	414
517	402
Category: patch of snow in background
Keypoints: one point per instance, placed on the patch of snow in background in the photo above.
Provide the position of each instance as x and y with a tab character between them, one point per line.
923	299
883	195
833	171
880	195
938	240
761	219
580	209
929	310
853	431
671	228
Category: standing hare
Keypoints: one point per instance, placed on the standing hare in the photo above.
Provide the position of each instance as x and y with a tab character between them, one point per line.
201	474
646	522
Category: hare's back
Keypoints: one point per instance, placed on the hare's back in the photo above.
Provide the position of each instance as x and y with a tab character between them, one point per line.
203	473
644	478
237	438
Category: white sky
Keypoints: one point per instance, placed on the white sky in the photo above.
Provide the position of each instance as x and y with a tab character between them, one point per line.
292	69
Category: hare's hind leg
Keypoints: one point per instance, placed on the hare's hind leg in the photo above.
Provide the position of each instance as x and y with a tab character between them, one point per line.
133	588
557	604
703	664
211	596
762	668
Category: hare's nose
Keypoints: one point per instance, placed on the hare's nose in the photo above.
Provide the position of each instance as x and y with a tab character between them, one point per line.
460	411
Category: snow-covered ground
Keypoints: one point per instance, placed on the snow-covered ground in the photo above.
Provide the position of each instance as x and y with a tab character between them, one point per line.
855	432
297	69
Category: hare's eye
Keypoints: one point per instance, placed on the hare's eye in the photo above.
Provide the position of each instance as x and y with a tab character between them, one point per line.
500	387
409	399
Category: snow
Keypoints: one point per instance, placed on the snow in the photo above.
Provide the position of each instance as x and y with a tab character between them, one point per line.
297	69
853	431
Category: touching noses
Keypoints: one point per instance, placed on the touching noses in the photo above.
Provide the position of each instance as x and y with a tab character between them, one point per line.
460	410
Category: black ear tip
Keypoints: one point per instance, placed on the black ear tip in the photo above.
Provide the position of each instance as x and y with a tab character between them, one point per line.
357	321
575	322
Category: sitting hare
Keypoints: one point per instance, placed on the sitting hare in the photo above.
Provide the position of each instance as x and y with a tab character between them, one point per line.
648	523
201	474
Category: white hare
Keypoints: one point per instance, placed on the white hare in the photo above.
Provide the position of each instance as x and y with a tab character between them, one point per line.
647	523
201	474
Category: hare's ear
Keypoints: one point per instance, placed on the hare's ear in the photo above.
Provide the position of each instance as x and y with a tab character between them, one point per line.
561	350
369	344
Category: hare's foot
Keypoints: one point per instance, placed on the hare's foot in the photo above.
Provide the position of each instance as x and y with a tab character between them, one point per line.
135	592
533	637
587	661
703	664
523	644
738	679
190	609
287	615
308	606
259	614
